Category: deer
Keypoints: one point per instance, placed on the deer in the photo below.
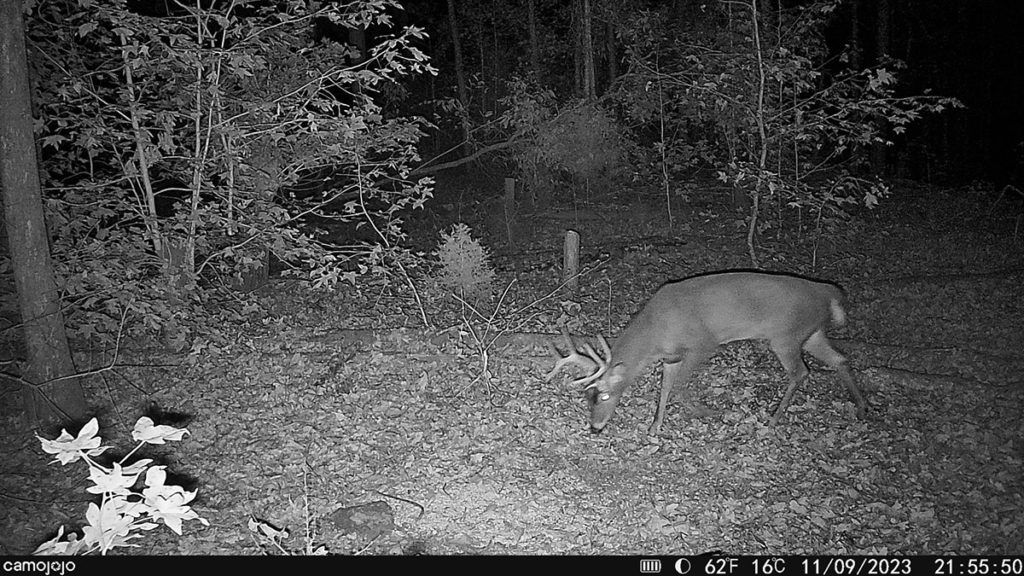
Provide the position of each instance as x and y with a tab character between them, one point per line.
685	321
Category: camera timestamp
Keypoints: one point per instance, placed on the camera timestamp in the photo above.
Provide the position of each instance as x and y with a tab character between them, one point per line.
987	566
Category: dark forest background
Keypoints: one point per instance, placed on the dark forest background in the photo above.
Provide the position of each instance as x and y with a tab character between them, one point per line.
969	51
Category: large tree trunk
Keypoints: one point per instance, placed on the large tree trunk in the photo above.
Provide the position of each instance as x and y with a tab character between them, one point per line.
49	356
460	74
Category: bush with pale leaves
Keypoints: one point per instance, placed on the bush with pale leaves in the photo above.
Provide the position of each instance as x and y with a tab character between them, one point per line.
123	510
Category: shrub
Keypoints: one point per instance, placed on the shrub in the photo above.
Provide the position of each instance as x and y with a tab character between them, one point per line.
123	510
581	141
465	267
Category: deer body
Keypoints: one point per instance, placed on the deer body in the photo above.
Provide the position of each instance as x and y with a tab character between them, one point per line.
685	321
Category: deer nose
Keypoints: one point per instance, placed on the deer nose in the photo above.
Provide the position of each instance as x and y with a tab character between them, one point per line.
594	430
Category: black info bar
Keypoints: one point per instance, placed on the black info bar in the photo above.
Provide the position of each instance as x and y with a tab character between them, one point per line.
712	564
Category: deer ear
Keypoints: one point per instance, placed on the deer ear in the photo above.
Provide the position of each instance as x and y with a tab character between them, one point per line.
608	386
616	375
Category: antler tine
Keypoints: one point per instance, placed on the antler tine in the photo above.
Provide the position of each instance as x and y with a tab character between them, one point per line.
586	360
591	380
602	363
574	357
607	350
600	360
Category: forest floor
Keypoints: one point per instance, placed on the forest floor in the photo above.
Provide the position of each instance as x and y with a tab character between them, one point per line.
338	417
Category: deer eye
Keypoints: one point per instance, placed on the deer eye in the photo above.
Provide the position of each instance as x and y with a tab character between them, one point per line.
604	397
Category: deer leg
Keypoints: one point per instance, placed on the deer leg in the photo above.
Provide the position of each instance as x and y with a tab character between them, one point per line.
789	355
819	347
673	373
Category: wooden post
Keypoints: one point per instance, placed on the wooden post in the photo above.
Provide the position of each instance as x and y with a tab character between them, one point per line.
571	261
510	208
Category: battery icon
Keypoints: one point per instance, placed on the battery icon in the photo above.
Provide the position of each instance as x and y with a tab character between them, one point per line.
650	566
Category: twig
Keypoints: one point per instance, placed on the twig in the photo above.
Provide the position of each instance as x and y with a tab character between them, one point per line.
415	292
416	504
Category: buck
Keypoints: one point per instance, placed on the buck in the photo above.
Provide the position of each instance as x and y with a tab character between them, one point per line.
685	321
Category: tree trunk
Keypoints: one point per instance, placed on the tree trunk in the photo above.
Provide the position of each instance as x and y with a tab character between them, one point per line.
357	39
531	24
497	66
985	153
576	28
856	50
460	75
882	38
770	18
587	49
49	355
613	56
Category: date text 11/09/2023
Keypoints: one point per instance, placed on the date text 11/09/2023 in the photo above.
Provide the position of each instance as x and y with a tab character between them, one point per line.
836	565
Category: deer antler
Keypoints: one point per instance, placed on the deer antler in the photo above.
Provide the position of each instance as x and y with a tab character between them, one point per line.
603	363
587	358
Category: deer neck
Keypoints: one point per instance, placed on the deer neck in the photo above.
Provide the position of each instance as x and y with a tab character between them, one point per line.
634	349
